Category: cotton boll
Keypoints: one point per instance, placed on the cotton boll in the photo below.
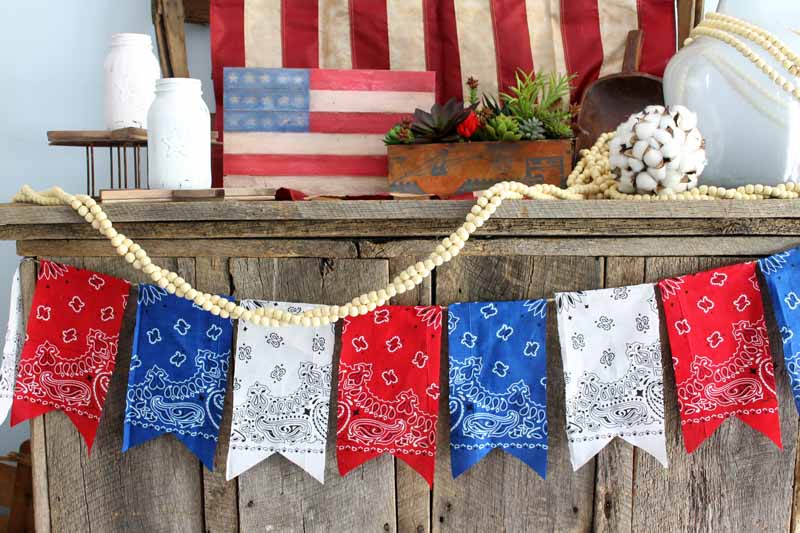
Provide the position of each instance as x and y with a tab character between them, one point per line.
639	149
653	157
662	136
657	150
635	164
645	182
645	130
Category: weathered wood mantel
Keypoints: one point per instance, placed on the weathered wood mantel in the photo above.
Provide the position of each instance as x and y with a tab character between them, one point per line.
327	252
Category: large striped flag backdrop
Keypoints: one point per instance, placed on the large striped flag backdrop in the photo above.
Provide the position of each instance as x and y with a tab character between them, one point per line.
488	39
319	131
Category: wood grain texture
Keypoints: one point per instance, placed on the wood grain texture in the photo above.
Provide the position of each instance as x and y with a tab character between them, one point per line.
737	480
500	492
409	228
41	498
168	20
413	494
156	486
349	210
604	246
276	495
613	491
196	248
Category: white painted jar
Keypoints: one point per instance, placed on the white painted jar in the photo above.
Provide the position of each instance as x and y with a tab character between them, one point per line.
179	136
131	71
751	126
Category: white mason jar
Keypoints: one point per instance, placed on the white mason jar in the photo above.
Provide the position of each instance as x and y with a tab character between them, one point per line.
750	124
179	136
131	71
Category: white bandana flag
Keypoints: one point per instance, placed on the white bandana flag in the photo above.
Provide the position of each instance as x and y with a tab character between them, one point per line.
12	347
281	393
611	349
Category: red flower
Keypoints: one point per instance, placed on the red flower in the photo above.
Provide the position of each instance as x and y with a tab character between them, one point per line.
468	126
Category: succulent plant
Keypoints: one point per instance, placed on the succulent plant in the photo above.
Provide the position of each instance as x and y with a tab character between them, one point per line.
542	97
532	129
556	123
400	134
501	128
440	124
472	86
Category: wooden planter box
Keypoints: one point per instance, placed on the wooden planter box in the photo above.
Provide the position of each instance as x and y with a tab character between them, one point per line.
455	168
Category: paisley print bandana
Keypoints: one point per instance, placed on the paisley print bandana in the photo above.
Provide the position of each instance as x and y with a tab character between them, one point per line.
782	274
611	349
178	374
68	358
498	380
720	352
11	348
388	397
281	393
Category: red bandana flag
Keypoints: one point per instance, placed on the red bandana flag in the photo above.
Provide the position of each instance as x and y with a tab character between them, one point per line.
71	349
388	397
720	352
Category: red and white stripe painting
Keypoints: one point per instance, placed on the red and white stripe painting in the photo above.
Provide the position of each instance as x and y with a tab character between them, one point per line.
488	39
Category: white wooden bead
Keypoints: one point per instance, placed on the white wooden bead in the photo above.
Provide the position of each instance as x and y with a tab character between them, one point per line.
391	291
247	315
95	209
117	239
273	322
295	320
325	320
162	282
76	204
155	276
82	210
130	258
316	322
127	242
409	285
224	314
122	250
207	305
305	321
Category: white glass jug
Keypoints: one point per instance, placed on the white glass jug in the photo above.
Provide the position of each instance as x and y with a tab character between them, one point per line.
131	71
751	125
179	136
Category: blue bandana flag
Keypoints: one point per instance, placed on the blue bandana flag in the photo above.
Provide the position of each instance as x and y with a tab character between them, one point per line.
498	387
178	373
782	273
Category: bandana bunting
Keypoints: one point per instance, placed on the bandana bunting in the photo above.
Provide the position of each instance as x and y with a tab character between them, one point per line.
782	274
12	347
281	393
611	349
71	347
388	397
720	352
498	382
178	373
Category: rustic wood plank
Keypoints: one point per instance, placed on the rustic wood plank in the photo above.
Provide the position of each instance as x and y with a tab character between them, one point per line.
413	494
196	248
118	137
613	494
276	495
500	492
156	486
686	19
369	210
168	20
220	499
41	498
737	480
601	246
411	228
196	11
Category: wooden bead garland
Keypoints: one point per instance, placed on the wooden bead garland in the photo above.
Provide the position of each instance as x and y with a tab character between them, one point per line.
591	179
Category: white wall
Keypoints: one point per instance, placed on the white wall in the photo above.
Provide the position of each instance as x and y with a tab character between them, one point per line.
52	79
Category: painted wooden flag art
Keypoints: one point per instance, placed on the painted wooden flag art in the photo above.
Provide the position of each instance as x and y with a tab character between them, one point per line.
318	131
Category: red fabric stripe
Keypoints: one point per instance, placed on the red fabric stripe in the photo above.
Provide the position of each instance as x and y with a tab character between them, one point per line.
441	48
583	50
305	165
360	80
300	33
369	34
329	122
657	20
227	50
511	43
